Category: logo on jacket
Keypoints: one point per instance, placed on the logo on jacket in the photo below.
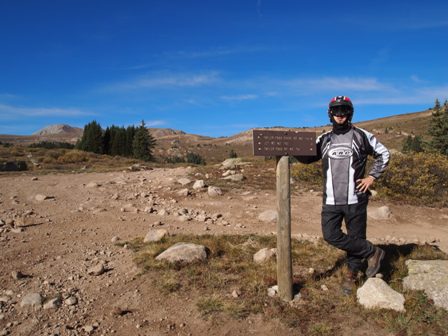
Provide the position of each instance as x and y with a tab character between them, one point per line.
340	152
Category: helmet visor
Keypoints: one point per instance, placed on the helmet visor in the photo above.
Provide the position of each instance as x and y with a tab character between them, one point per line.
341	111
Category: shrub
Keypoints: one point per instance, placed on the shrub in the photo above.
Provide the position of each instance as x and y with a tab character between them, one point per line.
74	156
195	159
309	174
174	159
52	144
420	178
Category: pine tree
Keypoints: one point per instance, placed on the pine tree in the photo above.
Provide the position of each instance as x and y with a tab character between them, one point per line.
143	143
92	138
118	141
413	144
438	129
106	141
129	147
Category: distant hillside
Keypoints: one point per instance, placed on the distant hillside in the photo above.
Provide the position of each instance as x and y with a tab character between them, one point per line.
392	131
61	129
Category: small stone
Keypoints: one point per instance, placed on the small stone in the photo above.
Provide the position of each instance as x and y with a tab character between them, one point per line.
324	288
199	184
40	197
17	275
184	181
71	301
54	303
115	239
273	291
268	216
32	299
236	293
155	235
93	185
184	192
34	178
214	191
97	269
88	329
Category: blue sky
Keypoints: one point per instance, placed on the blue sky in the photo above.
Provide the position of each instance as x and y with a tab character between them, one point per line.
216	67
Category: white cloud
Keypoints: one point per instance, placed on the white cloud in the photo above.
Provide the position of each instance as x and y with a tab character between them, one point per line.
163	81
13	112
240	97
154	123
338	83
216	52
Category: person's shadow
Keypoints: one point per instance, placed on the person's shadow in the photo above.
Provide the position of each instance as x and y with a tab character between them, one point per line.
389	263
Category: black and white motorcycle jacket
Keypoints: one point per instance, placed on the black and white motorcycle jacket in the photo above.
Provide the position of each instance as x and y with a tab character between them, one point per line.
344	158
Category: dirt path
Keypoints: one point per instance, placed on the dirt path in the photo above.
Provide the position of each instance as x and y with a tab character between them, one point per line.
55	241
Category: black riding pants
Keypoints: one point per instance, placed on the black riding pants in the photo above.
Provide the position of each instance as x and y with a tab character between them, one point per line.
354	242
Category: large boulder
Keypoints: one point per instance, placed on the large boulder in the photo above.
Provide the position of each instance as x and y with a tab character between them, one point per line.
376	293
184	252
430	276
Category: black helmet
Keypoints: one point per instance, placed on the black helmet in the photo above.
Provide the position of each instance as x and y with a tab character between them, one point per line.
340	105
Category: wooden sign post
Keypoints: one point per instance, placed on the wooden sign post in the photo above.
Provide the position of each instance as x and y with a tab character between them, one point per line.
283	144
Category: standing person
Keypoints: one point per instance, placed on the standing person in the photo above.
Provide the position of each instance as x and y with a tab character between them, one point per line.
344	151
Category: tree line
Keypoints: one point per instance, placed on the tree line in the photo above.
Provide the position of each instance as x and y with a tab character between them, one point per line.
136	142
438	131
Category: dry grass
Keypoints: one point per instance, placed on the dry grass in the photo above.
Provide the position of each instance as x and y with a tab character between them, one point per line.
318	312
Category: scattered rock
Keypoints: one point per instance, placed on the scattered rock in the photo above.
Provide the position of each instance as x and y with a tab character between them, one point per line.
264	255
235	178
236	293
184	192
32	299
228	172
93	185
17	275
430	276
71	301
184	181
53	303
115	239
41	198
231	163
129	208
376	293
380	213
199	184
184	252
268	216
97	269
273	291
214	191
155	235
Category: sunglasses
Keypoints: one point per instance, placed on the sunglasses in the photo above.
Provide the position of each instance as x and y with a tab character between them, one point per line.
340	111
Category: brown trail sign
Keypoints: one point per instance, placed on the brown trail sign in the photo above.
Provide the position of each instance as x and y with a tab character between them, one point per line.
283	144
